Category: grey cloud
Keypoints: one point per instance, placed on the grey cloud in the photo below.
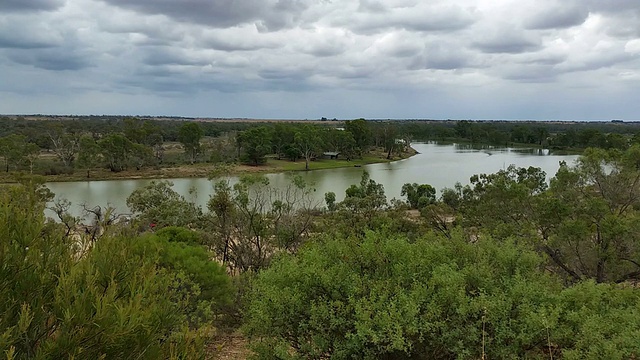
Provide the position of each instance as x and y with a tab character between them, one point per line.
22	40
427	19
509	42
51	59
237	43
326	50
278	74
30	5
592	62
269	15
171	56
613	6
529	74
557	17
438	56
324	47
624	25
546	60
20	32
438	62
352	72
372	6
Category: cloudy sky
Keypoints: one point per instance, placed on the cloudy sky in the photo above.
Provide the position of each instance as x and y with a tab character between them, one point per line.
438	59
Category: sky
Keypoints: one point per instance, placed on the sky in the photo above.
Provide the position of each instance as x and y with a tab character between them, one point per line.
306	59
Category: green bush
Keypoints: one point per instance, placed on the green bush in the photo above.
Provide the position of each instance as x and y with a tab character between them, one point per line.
180	234
124	298
388	298
599	321
202	283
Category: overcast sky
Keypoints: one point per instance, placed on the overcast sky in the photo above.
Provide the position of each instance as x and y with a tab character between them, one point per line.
437	59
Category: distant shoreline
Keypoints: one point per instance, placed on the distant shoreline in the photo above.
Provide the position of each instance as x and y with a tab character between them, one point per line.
203	170
332	120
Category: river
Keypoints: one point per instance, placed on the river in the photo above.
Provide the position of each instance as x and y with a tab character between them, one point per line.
438	165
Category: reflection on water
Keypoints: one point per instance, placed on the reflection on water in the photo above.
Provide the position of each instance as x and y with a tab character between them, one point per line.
438	165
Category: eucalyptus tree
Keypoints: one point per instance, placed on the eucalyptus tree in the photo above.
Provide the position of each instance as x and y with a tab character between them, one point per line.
255	144
88	154
252	221
361	132
189	136
116	150
308	141
65	145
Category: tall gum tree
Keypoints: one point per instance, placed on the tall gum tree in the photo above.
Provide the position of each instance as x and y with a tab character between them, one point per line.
308	141
189	136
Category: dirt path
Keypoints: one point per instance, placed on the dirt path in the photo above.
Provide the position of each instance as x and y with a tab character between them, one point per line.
229	347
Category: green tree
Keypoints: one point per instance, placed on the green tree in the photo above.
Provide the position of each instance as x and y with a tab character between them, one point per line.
116	150
255	144
283	140
361	206
389	133
88	154
419	196
308	142
595	223
251	221
361	132
340	141
189	136
462	128
65	145
12	150
157	203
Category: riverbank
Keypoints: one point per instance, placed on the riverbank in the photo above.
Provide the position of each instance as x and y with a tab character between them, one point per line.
203	170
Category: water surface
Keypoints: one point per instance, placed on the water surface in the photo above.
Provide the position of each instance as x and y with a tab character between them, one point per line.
438	165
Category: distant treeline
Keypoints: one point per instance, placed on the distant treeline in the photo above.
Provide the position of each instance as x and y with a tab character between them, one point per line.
118	143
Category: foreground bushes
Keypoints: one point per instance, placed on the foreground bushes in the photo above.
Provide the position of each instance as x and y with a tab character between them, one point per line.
127	298
387	298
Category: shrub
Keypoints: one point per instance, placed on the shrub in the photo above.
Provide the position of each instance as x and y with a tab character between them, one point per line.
388	298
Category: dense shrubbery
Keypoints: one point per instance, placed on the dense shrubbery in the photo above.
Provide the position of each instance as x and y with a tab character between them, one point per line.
120	298
387	298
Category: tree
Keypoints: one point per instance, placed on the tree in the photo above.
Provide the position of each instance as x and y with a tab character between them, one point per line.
419	196
462	128
283	140
65	145
189	136
595	224
158	204
340	141
308	141
361	133
116	150
252	221
585	221
12	149
389	138
361	205
256	144
88	154
31	154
